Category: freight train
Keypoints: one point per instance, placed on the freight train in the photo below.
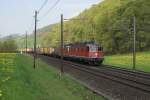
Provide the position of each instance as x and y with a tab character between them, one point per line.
87	52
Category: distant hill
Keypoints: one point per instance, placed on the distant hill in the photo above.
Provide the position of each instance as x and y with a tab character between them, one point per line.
13	36
42	32
110	23
45	29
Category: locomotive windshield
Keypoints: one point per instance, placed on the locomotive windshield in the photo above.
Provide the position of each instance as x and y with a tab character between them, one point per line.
93	48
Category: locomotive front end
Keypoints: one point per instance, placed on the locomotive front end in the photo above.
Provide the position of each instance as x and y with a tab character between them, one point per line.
96	53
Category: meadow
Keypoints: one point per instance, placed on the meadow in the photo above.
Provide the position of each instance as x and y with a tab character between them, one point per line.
6	69
126	61
20	81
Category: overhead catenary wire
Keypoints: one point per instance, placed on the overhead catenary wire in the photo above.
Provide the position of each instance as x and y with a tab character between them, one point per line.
42	6
38	11
50	9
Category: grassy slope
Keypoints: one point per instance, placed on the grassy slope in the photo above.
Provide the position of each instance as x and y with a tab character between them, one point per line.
42	83
125	61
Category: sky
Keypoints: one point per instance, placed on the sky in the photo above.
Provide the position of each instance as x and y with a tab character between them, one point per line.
17	16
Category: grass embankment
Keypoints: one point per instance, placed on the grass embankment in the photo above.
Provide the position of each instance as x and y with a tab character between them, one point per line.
125	61
22	82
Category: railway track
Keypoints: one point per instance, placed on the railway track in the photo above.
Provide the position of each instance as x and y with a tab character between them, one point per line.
128	71
139	81
125	77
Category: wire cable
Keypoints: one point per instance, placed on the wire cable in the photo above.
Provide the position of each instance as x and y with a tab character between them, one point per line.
50	9
44	3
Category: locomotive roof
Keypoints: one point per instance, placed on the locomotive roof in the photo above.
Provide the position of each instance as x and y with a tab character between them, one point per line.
82	43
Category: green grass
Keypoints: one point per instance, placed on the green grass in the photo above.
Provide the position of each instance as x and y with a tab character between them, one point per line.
125	61
6	69
23	82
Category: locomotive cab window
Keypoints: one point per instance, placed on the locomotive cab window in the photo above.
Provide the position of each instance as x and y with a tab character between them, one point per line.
93	48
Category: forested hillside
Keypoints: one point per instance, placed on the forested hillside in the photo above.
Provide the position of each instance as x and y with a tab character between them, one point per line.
8	45
110	23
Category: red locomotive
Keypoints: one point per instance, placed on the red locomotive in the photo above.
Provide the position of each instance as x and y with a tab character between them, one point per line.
89	52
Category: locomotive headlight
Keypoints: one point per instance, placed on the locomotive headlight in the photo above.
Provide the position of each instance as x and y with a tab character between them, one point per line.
96	54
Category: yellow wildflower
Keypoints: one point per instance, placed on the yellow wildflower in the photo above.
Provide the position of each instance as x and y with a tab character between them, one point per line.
0	93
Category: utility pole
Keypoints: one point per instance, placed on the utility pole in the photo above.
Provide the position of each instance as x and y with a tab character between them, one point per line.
35	40
26	42
62	67
134	42
62	42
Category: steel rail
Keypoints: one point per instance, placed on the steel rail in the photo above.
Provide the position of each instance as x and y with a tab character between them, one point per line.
144	75
117	79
